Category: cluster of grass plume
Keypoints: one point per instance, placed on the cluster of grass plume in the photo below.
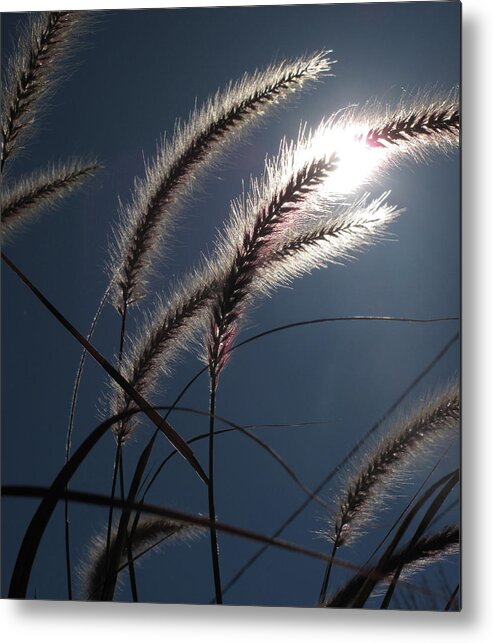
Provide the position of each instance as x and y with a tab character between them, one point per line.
32	73
151	216
304	213
30	76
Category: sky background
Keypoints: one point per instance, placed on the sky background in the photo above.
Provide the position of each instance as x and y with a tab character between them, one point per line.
137	72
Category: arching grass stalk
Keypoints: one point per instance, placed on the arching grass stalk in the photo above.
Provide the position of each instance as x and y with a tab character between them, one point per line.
277	200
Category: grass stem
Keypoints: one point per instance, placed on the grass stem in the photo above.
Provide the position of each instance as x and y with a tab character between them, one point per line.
210	488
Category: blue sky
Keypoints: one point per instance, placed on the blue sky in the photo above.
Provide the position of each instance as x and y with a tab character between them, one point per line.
138	72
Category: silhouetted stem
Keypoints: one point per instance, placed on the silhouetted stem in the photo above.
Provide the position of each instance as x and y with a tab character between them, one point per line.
210	487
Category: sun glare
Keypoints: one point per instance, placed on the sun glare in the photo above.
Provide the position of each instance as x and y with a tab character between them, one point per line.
357	163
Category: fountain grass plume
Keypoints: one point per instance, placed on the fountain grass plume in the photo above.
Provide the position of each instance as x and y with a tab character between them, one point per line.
146	222
170	328
383	468
43	190
172	325
410	131
32	72
149	533
349	230
277	202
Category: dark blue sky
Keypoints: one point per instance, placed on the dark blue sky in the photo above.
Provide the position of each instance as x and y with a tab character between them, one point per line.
138	72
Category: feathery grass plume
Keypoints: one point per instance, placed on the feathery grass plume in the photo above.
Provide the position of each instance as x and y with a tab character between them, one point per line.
350	229
149	533
42	190
412	558
149	217
366	489
372	138
416	127
170	328
32	72
313	244
282	198
412	130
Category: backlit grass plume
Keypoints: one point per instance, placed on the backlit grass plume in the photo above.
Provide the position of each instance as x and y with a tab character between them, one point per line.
41	191
291	188
163	334
171	327
32	73
149	217
415	126
366	489
378	136
349	230
411	558
149	533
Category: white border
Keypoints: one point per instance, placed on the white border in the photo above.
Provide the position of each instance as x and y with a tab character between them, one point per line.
54	622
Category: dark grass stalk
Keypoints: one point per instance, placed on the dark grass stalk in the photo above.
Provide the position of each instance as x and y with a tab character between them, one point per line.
412	557
58	489
128	543
328	569
210	495
69	434
41	191
36	529
335	470
246	431
55	495
444	487
32	72
109	528
118	467
122	531
422	527
452	598
133	579
445	511
161	424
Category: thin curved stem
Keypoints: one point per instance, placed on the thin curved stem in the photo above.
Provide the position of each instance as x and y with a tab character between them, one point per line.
70	431
210	495
114	478
328	569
